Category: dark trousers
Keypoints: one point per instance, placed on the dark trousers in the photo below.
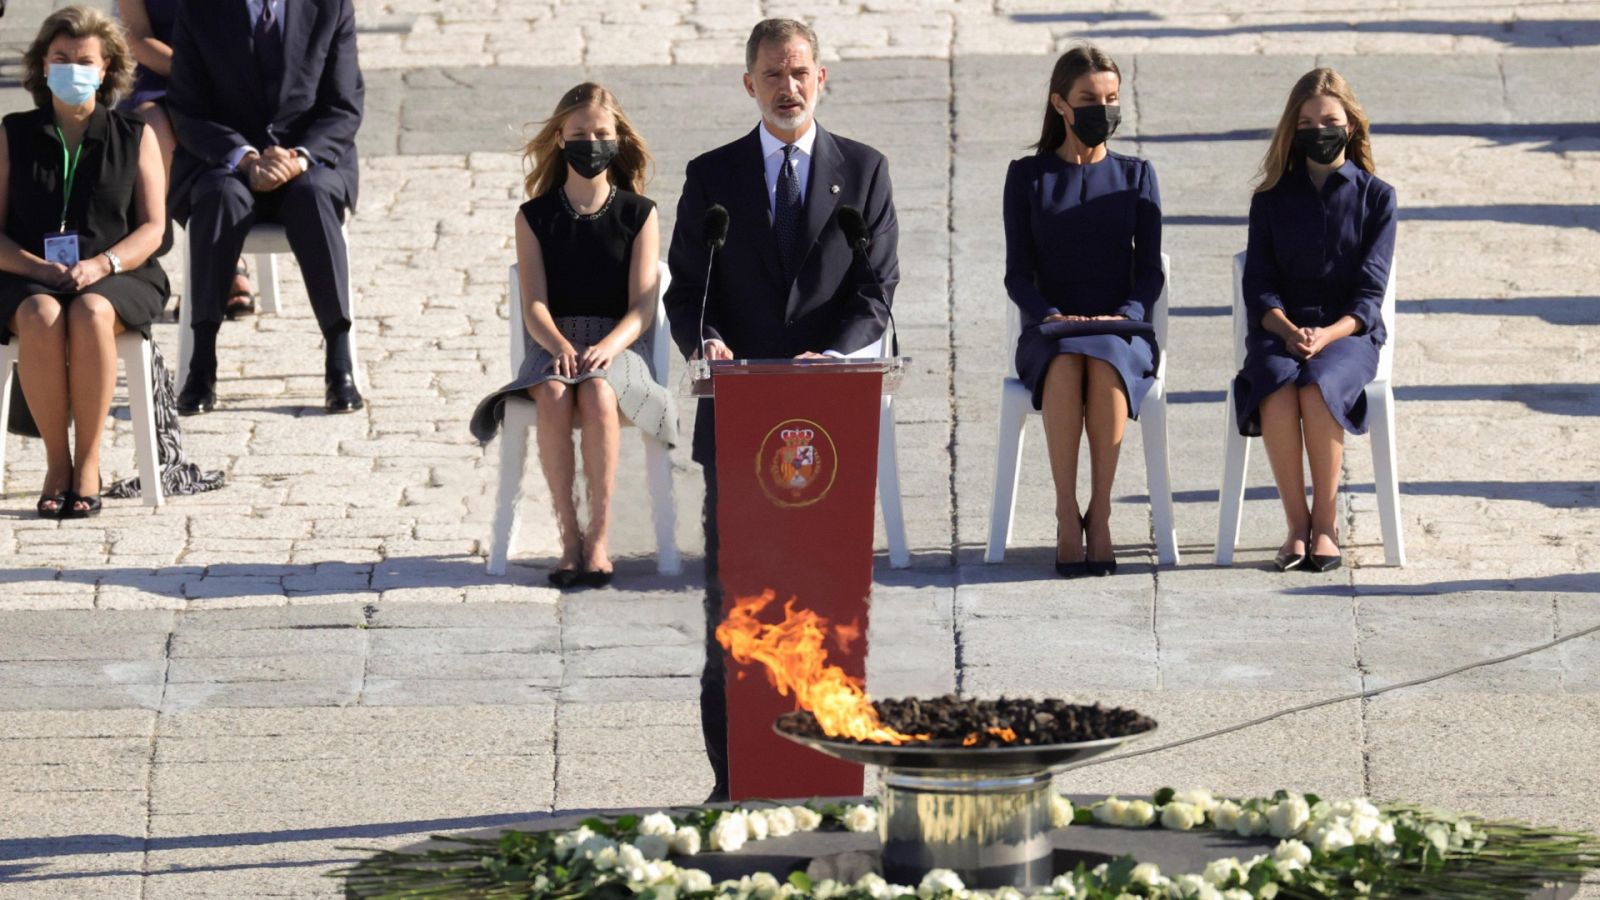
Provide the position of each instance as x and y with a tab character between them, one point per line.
311	210
713	679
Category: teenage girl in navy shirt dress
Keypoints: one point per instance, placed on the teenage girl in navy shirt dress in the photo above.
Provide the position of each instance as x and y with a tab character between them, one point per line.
1322	229
1083	264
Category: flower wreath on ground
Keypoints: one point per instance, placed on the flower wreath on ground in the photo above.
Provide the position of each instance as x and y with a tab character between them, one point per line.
1325	849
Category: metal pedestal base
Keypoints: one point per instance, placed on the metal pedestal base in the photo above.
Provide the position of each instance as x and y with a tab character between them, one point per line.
992	829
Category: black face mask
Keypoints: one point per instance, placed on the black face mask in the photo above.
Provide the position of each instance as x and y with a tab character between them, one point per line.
590	158
1093	124
1322	145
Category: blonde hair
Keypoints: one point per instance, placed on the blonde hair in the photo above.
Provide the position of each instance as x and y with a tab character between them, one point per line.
548	169
80	22
1281	156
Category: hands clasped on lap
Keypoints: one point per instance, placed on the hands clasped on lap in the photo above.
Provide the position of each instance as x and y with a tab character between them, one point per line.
570	361
76	277
272	169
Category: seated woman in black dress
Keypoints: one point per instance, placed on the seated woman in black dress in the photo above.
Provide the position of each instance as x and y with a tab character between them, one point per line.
587	250
1083	262
1321	242
88	180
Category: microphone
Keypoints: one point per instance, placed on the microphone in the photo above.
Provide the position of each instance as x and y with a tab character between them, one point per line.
854	227
714	228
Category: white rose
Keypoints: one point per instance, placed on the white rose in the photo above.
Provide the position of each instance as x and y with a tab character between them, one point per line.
780	822
1007	893
1148	874
1289	816
1385	833
694	881
730	832
652	846
1139	813
764	885
1193	887
604	858
1181	816
1226	815
1359	806
1292	853
1219	871
1065	886
756	821
1364	829
1236	894
596	845
659	824
629	856
874	885
1200	798
939	882
861	818
1060	811
1110	811
1251	824
805	818
572	840
1334	838
686	841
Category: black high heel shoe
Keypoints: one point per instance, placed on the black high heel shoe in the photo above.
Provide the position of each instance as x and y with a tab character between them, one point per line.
1097	567
61	499
1069	569
1288	562
1324	563
91	504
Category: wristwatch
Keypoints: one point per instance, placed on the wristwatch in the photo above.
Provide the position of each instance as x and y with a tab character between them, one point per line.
305	159
116	264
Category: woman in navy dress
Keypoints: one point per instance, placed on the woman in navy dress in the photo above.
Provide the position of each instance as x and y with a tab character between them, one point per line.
1321	243
1083	264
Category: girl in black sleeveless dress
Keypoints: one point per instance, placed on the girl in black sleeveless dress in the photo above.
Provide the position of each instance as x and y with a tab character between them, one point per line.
73	165
588	245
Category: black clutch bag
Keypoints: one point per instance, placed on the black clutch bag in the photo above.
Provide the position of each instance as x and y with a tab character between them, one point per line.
1124	327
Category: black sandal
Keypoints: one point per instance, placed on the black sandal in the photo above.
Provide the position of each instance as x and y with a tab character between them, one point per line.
595	578
248	307
92	504
564	578
60	500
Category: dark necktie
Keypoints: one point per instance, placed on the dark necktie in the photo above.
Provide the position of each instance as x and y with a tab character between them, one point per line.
268	40
786	213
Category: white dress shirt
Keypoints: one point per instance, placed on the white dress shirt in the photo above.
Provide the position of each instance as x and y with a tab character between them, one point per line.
772	156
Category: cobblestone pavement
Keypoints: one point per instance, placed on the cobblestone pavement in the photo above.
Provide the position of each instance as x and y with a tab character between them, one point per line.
224	697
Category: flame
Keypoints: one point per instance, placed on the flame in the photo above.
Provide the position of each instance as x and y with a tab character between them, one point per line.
1006	736
796	662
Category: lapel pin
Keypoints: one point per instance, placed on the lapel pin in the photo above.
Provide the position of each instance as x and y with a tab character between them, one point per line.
834	189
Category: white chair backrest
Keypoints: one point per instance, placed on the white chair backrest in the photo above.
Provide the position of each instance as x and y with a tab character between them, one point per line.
1241	323
1158	322
657	351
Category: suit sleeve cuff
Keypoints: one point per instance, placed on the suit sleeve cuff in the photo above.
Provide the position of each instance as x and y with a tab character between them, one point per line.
311	161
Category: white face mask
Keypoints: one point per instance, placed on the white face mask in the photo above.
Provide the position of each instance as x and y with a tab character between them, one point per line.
73	84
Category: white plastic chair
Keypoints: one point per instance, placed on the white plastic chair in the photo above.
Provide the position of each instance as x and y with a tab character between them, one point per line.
889	500
266	242
1016	403
134	352
521	415
1380	412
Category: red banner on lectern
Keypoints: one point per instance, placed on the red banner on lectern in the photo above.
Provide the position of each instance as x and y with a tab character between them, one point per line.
797	457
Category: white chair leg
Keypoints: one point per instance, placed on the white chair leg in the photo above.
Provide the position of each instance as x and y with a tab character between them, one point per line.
1235	457
1386	480
1158	473
1014	404
519	420
186	320
894	520
7	372
267	282
135	353
663	509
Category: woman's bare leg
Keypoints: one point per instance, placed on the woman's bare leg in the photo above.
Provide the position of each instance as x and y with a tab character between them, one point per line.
555	405
40	330
1062	405
92	328
1106	422
1280	431
1325	451
601	428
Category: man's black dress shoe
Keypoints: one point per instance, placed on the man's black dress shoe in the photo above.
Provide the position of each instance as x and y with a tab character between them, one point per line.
199	395
342	394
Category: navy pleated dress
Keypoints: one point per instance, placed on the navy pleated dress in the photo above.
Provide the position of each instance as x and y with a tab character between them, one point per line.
1318	256
1084	240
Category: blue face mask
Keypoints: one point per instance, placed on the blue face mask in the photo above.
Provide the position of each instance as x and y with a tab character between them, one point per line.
73	84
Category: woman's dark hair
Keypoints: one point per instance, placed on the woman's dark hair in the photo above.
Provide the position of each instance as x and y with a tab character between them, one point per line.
1081	60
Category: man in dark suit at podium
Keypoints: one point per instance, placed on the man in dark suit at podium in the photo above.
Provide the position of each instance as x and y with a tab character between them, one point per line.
787	283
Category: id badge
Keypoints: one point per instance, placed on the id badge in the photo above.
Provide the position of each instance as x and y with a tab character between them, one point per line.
62	248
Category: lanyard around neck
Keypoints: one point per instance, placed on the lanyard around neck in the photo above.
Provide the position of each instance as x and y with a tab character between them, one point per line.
69	173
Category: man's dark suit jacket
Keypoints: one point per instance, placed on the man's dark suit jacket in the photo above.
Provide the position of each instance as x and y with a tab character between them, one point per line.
218	102
833	302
